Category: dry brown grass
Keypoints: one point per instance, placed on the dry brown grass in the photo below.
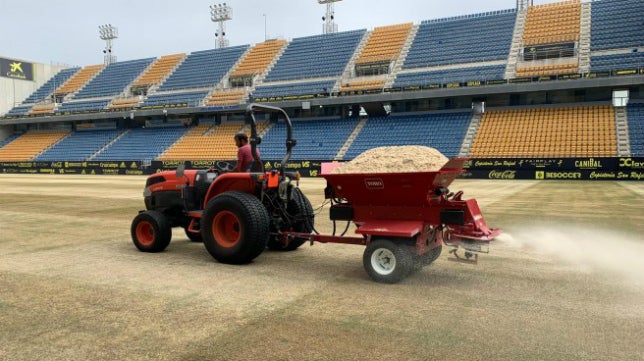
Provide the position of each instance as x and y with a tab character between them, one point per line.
73	287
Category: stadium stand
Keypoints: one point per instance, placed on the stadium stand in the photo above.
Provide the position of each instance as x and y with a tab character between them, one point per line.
144	144
384	44
124	103
443	131
83	106
259	58
20	110
316	56
460	75
293	89
617	24
203	69
617	61
465	39
583	131
551	69
190	98
158	71
553	23
79	79
636	129
206	142
470	50
9	139
310	145
226	97
50	86
30	144
79	145
113	79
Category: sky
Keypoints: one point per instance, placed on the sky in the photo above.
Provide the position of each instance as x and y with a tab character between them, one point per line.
65	32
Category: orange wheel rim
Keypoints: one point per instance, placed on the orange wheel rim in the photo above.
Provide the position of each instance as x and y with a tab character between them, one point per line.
145	233
226	229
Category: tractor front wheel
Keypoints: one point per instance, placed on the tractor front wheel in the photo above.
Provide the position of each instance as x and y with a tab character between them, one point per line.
235	227
386	261
151	231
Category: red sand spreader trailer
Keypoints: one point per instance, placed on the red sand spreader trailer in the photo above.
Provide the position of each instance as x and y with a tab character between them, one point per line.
403	219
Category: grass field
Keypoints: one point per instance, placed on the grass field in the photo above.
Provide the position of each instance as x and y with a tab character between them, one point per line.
565	282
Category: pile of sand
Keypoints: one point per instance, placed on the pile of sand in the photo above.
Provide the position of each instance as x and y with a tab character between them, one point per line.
400	159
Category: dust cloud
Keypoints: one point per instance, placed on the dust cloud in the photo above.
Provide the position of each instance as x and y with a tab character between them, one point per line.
591	250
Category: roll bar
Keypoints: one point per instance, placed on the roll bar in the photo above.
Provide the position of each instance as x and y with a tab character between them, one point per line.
255	140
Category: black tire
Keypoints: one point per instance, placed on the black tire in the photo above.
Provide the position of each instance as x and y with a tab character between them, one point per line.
387	262
235	227
301	213
151	231
192	236
427	258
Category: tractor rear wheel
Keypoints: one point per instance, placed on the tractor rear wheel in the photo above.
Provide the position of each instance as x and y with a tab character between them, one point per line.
151	231
235	227
301	220
386	261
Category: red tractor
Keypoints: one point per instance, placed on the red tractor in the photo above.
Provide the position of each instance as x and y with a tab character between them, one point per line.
403	219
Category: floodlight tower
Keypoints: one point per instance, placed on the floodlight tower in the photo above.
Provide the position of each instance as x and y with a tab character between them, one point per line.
522	5
329	25
108	33
219	13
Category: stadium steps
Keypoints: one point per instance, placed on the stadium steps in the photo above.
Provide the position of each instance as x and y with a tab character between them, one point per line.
223	83
345	147
401	59
621	127
108	145
517	42
259	79
349	70
153	89
466	147
584	39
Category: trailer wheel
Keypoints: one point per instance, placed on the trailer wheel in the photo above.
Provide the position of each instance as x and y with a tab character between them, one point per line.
386	261
301	212
192	236
151	231
427	258
235	227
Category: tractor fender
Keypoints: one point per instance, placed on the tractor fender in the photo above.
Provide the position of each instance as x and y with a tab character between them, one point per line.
241	182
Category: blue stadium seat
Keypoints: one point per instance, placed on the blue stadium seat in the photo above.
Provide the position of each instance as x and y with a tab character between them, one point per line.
83	106
616	24
319	139
460	75
293	89
203	69
79	145
51	85
443	131
191	99
144	144
113	79
464	39
316	56
636	129
617	62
